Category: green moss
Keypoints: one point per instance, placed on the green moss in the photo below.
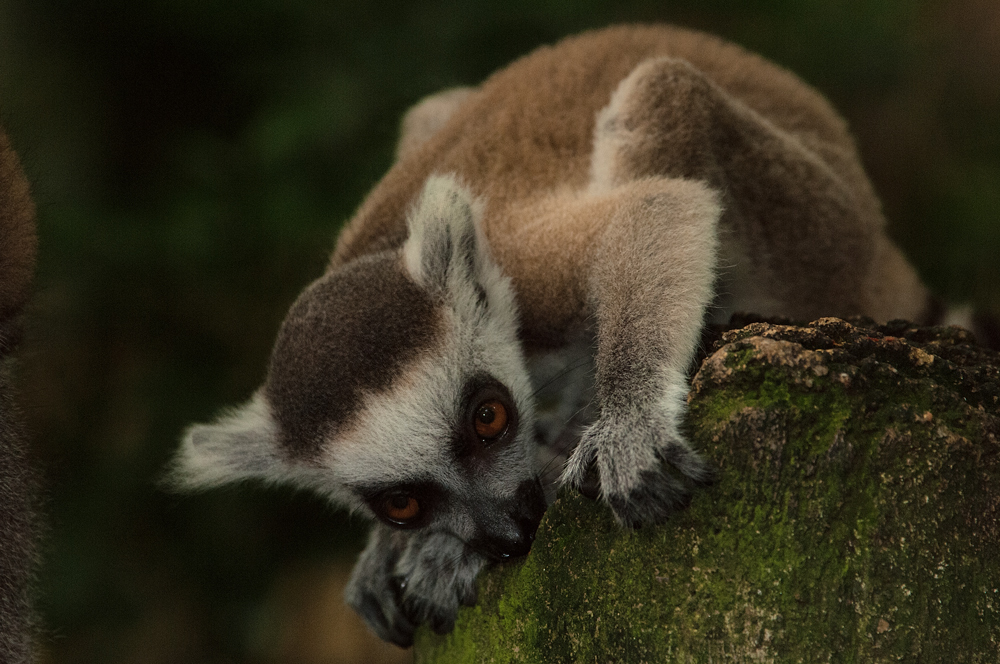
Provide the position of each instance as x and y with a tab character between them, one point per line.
854	520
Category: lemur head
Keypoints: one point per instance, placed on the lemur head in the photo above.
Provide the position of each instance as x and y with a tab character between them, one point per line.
397	386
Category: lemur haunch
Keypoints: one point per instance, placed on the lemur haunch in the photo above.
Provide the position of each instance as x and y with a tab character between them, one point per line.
604	196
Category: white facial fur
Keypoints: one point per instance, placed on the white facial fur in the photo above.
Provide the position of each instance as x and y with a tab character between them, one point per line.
403	435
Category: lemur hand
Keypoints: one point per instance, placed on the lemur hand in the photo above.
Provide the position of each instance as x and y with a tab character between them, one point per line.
641	458
404	579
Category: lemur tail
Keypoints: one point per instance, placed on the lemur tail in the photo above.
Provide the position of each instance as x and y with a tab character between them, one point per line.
18	482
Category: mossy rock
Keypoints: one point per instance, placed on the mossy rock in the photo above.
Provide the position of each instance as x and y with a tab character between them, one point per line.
855	519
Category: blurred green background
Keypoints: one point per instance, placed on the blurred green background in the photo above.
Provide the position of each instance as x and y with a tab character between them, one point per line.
192	161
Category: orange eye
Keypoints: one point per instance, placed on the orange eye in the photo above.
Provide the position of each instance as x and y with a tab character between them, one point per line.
490	419
401	507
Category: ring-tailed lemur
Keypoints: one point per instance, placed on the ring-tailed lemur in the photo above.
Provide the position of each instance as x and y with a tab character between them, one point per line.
17	479
607	193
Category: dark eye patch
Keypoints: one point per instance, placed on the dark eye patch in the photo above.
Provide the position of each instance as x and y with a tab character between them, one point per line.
468	442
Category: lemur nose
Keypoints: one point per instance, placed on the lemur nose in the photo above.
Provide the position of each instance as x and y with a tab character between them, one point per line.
520	543
530	508
530	504
524	514
515	548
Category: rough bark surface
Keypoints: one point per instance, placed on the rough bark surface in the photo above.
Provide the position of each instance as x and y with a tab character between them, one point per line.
855	519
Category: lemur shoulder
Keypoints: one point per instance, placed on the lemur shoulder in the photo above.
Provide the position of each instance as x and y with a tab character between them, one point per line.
606	195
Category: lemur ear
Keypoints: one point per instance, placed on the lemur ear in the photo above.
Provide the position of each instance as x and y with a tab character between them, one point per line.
239	445
444	245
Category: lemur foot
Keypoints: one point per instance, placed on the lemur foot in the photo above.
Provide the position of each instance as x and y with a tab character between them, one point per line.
403	580
642	463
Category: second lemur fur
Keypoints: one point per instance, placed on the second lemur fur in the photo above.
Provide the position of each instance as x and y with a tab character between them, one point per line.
18	480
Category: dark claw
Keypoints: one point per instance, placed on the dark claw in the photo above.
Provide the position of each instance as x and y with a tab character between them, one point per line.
413	611
709	478
657	497
591	486
441	625
398	585
400	636
469	596
399	631
688	463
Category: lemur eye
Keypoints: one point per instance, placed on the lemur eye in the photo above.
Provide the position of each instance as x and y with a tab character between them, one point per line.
401	507
490	419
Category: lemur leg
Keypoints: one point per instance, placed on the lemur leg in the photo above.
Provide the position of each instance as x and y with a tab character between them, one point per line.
651	280
404	579
812	230
798	203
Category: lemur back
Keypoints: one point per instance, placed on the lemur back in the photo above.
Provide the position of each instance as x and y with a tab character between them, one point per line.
524	141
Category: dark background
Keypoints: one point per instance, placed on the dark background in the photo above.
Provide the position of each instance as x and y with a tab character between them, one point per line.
192	161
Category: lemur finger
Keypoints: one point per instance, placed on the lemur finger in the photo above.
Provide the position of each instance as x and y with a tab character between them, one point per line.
416	610
652	500
468	595
397	583
400	633
389	625
590	487
440	613
688	463
442	624
575	472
